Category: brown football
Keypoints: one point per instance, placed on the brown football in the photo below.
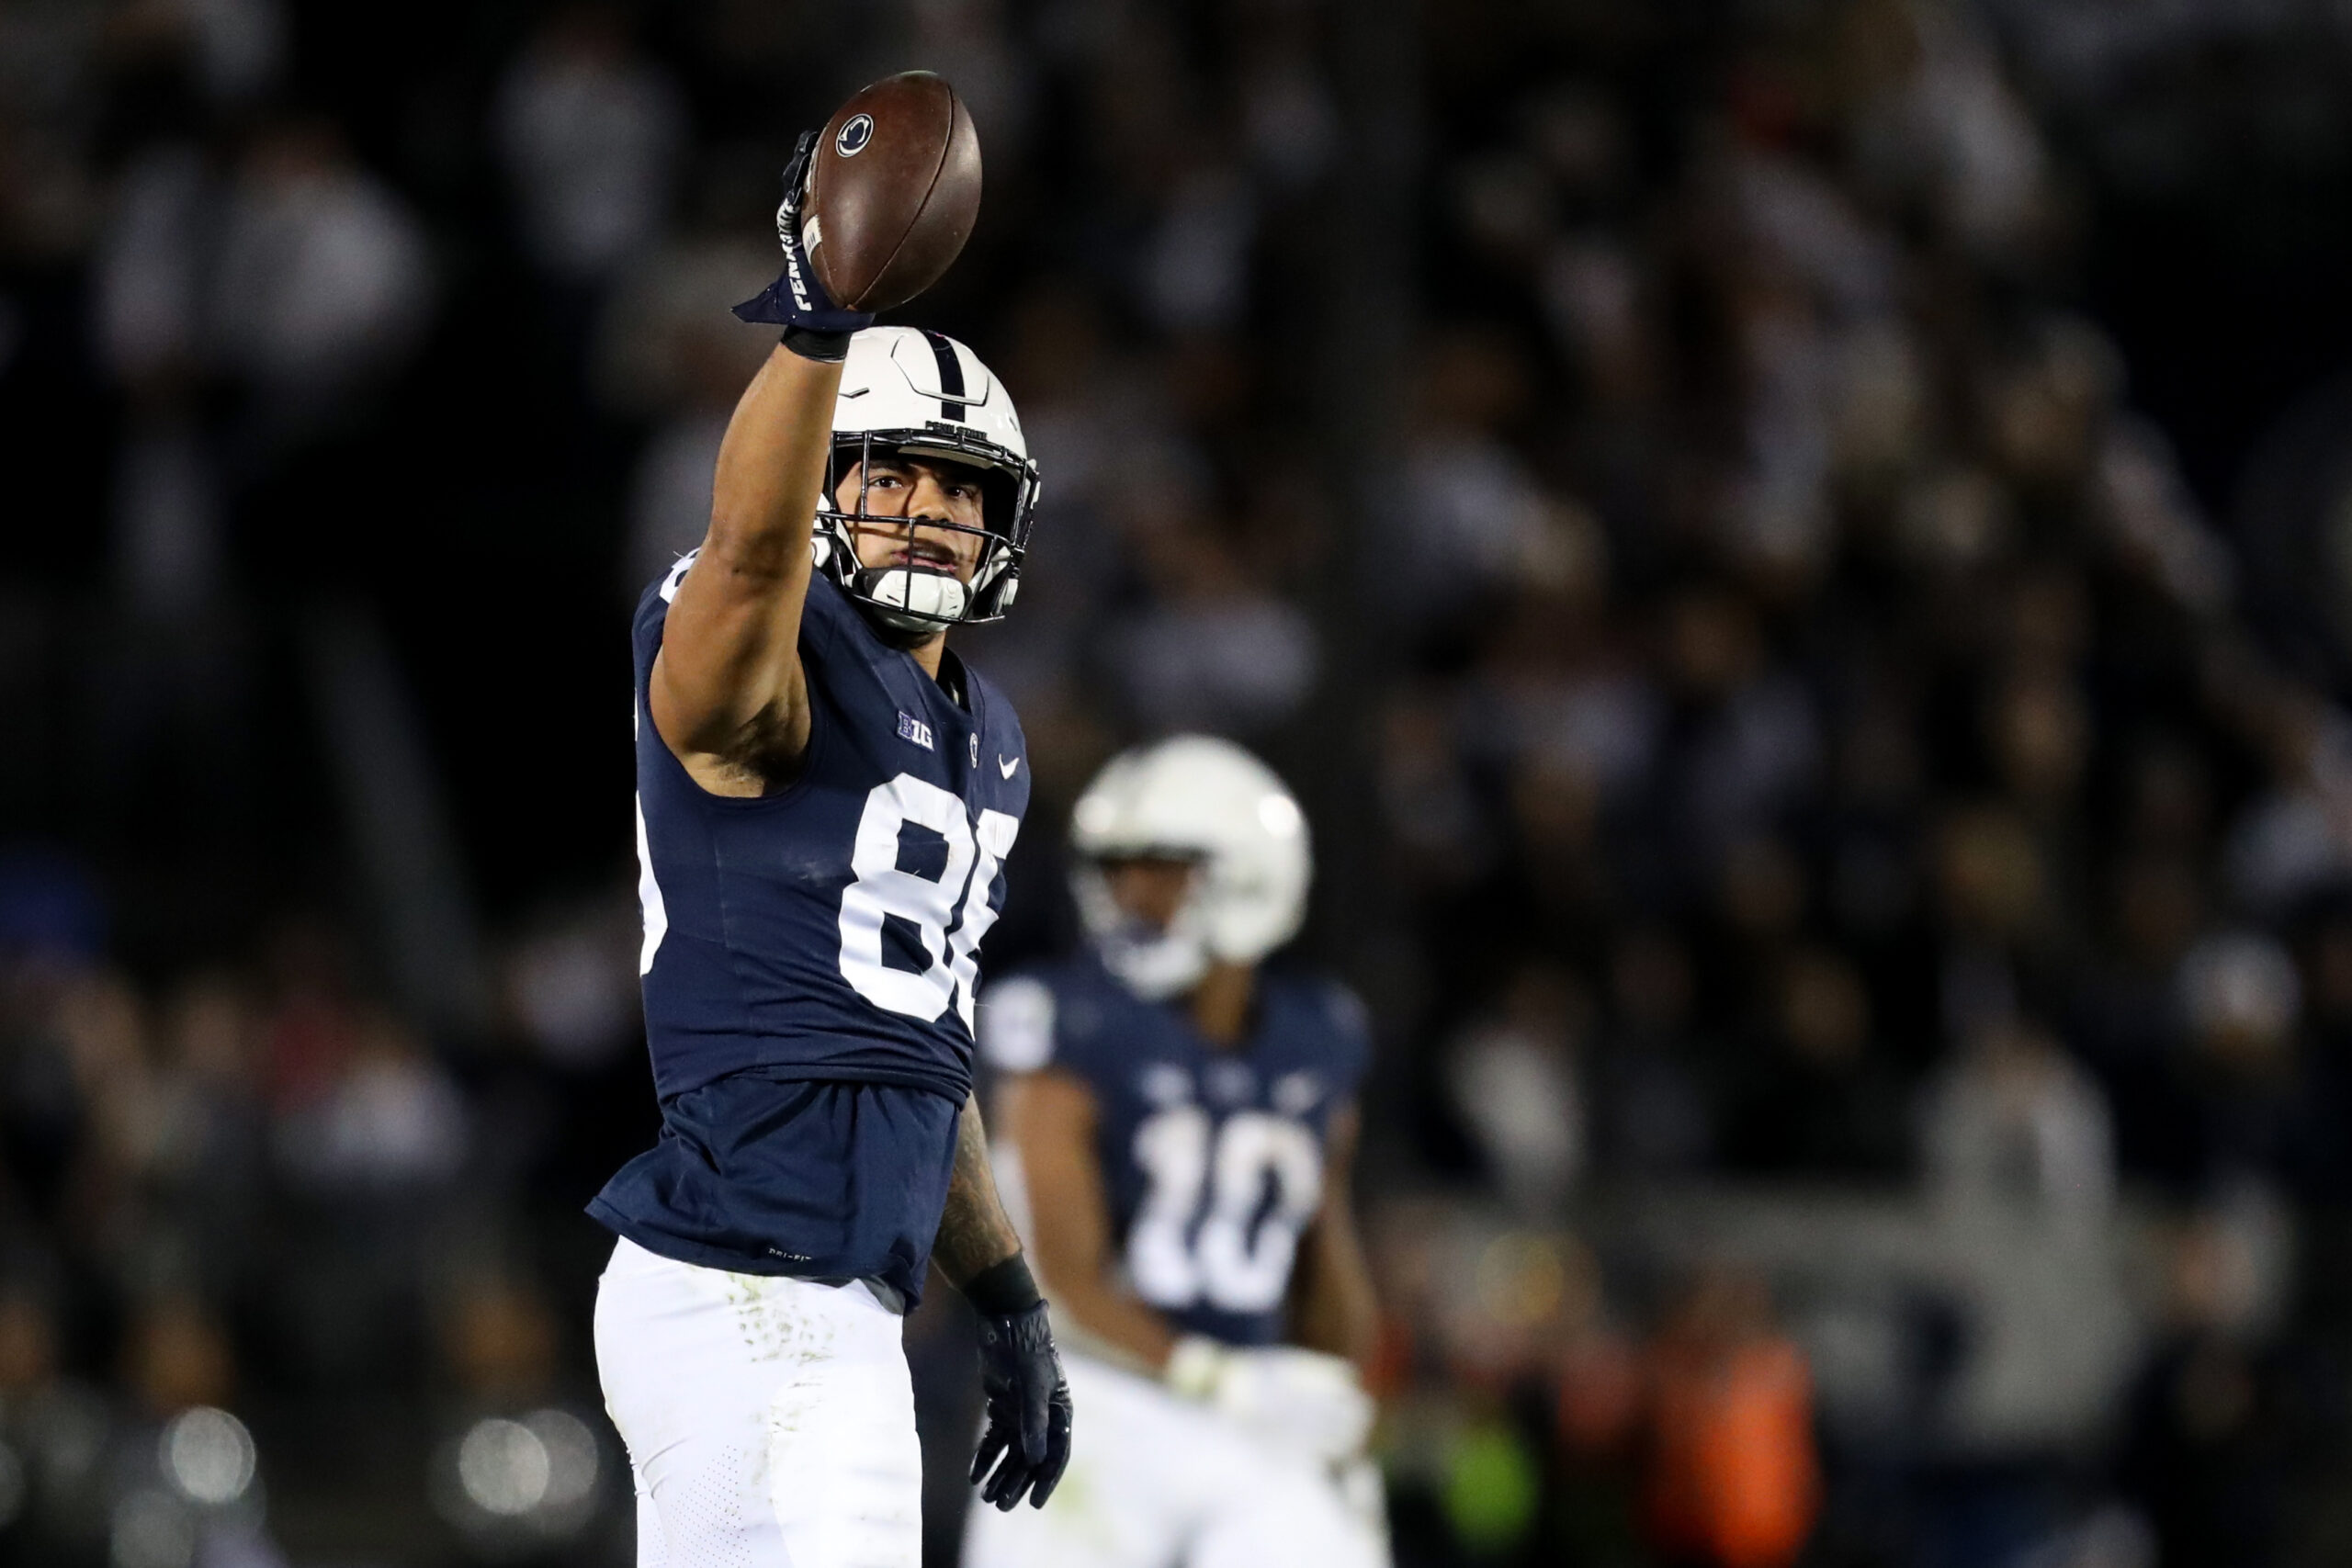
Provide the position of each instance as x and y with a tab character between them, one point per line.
893	191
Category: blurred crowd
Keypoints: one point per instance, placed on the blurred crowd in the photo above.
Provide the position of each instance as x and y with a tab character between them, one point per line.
1860	917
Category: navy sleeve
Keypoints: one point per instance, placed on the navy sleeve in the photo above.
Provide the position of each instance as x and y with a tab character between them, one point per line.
1016	1024
652	613
821	614
1042	1019
818	612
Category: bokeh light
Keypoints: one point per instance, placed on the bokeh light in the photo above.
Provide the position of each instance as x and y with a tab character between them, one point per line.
151	1528
572	1457
504	1467
207	1455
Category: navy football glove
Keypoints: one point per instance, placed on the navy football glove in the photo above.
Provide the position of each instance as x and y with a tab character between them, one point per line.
1028	1409
796	301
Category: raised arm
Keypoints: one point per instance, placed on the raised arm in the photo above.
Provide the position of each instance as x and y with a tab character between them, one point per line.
727	693
1051	1115
1332	1306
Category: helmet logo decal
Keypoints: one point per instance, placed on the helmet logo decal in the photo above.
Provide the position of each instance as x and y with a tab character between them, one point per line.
854	133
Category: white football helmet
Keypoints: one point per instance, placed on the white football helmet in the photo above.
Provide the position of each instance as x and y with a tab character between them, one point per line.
925	394
1197	798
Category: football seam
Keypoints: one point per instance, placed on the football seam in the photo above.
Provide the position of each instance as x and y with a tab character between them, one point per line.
947	146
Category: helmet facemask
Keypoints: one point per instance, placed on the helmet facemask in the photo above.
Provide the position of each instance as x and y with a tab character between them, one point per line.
1155	961
912	604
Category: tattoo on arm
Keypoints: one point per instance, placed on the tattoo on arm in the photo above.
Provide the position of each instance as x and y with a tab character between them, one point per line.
973	1230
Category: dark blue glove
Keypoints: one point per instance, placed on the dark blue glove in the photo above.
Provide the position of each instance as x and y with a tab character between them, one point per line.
1028	1409
796	301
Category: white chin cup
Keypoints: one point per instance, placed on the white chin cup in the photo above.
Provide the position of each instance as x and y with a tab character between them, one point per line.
919	590
1155	966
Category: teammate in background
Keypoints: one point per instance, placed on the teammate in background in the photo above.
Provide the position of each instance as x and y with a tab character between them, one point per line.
1184	1121
826	795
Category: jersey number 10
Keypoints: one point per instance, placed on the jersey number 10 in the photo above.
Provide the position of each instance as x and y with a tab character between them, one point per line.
1262	1176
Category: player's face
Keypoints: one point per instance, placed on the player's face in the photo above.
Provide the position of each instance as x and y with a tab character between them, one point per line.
1149	889
924	491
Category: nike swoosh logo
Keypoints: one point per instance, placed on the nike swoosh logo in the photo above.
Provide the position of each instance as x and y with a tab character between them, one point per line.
1005	764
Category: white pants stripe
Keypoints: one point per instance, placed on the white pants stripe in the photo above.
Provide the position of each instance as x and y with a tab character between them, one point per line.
770	1422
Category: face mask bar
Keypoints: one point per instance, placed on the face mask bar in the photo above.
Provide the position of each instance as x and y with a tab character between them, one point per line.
1007	509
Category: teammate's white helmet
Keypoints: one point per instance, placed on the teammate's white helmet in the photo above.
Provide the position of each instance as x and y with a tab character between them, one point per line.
1198	798
927	395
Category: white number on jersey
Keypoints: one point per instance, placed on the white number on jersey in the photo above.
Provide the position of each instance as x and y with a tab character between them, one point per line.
649	892
1260	1179
950	937
649	900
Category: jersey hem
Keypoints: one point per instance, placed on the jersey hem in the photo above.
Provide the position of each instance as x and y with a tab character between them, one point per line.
727	1260
946	1088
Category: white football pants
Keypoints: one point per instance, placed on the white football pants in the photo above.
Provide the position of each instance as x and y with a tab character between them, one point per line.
770	1422
1155	1481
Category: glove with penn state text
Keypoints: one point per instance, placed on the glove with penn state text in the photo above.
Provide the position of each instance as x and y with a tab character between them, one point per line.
813	326
1301	1402
1028	1408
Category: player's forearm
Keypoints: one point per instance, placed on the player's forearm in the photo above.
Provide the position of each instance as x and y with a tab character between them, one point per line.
1332	1306
770	468
974	1233
726	682
1116	1320
1335	1311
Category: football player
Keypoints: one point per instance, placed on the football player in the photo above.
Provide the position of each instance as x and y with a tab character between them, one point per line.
1184	1120
826	795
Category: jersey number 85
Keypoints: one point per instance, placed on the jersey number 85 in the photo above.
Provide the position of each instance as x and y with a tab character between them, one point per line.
883	892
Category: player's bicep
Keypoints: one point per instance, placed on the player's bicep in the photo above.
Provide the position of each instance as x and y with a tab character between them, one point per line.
728	682
1051	1116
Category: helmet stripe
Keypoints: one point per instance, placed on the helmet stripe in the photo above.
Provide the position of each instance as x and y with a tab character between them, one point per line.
951	375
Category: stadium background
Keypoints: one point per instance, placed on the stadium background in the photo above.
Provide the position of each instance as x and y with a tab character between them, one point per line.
1798	551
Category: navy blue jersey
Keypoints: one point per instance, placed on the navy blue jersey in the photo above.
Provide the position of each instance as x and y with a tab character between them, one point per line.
810	962
1212	1159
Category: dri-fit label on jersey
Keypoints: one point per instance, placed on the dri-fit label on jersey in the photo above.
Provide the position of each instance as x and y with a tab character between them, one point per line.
1213	1160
